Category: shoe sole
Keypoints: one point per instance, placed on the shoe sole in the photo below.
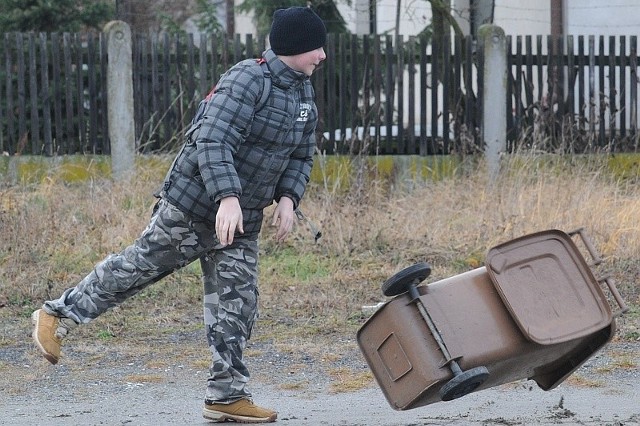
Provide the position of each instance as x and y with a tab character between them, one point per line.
220	417
35	320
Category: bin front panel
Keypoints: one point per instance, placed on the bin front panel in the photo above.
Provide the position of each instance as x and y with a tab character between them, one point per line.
402	354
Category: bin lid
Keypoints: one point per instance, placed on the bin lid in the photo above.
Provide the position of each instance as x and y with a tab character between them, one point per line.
548	287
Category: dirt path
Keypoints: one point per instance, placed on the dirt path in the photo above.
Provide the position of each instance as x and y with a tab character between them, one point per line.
109	386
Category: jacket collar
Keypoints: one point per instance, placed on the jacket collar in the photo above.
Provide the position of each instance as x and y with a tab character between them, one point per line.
281	74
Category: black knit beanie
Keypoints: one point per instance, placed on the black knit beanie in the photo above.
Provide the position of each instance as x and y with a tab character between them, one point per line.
296	30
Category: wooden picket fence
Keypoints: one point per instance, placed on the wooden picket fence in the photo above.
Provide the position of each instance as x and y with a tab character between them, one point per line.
375	94
574	94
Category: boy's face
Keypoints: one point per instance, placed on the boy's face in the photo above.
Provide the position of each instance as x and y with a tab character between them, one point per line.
306	62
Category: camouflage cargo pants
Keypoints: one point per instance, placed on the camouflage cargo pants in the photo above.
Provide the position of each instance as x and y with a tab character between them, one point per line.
172	240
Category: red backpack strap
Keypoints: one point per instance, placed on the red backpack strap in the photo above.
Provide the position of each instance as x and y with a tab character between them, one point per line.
210	94
266	88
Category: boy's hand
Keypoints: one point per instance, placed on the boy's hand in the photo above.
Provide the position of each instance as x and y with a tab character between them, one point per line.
228	220
283	218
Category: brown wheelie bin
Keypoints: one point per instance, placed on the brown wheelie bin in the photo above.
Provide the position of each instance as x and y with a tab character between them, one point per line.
534	311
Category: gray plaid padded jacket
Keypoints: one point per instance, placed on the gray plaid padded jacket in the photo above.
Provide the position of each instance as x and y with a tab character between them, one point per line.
236	149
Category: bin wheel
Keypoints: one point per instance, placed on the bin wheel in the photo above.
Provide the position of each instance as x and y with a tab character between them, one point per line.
401	281
464	383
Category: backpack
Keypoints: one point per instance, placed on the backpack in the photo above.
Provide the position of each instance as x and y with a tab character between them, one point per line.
266	90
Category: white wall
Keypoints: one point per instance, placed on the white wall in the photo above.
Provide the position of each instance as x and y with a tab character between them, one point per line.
415	15
523	17
514	16
581	17
598	17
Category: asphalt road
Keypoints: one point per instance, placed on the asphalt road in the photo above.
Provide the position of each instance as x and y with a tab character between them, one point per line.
38	394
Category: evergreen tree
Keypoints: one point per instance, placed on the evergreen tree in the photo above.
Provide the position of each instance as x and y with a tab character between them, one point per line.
54	15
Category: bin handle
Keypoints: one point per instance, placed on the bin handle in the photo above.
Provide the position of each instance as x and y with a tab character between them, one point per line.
616	295
597	259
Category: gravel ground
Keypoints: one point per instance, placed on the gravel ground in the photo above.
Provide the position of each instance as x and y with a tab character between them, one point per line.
161	382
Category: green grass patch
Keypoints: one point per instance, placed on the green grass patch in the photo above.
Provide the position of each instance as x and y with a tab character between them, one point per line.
105	335
288	262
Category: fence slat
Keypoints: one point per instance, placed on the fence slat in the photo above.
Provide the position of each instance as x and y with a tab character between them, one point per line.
137	77
581	82
2	107
103	116
69	134
613	109
633	89
471	100
446	90
205	79
560	66
571	77
601	90
342	85
356	72
92	52
237	49
512	91
377	84
435	78
318	82
11	139
215	59
33	92
191	97
47	148
249	47
165	73
529	84
57	93
592	85
458	97
423	96
541	70
622	66
388	95
402	132
368	77
331	93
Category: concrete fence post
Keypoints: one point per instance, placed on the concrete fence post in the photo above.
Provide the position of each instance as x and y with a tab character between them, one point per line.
494	111
120	100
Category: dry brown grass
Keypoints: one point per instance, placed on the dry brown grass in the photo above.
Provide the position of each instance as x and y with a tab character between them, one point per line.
345	380
53	233
451	223
144	378
619	362
584	382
